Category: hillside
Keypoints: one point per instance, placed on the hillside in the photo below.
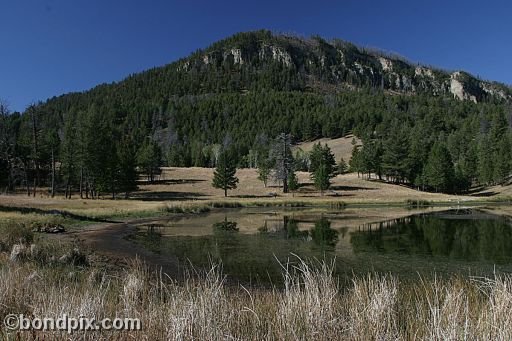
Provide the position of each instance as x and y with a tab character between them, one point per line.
340	147
241	92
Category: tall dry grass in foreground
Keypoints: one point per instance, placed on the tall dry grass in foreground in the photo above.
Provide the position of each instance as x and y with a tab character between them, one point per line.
311	306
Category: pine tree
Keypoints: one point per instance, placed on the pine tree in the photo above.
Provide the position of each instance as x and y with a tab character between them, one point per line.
502	157
439	172
461	182
6	148
321	178
485	161
302	160
149	159
102	152
322	166
80	152
315	157
342	167
322	155
293	182
468	162
281	155
52	145
394	158
264	171
224	176
34	112
126	180
69	153
355	161
371	158
417	155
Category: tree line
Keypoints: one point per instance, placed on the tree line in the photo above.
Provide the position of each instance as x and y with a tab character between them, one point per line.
90	154
436	144
478	152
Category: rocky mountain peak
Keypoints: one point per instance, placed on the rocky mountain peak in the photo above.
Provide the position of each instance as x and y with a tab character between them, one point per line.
340	65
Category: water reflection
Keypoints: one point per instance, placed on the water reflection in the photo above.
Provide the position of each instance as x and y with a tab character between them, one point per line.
285	227
154	232
445	241
449	236
227	226
321	234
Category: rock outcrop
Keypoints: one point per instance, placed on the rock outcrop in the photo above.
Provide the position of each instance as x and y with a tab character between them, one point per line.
342	63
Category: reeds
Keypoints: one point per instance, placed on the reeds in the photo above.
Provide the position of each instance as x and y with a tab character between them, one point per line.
311	305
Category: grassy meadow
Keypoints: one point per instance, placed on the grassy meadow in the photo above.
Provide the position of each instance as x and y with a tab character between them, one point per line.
185	187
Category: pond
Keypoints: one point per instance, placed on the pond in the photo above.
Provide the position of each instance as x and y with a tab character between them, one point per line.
253	243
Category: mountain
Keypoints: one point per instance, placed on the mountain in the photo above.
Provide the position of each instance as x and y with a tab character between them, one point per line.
318	65
259	60
243	91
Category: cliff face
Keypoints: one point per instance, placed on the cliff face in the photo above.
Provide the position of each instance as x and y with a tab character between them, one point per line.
339	65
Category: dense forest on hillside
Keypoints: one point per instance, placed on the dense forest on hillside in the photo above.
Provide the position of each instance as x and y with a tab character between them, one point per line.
183	114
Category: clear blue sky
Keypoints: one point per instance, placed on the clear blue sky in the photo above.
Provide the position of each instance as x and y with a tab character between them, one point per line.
50	47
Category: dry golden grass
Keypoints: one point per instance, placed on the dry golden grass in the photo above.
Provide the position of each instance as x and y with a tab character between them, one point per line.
497	190
83	207
340	147
187	187
195	184
311	306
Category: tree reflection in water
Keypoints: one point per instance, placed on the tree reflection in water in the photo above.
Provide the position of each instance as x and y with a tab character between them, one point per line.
229	226
323	235
461	238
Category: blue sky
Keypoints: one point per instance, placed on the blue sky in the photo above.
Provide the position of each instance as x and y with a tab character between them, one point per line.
50	47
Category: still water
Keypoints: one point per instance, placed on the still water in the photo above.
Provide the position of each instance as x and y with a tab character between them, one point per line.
251	243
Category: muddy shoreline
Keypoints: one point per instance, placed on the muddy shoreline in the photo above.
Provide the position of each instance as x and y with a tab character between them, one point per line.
110	245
